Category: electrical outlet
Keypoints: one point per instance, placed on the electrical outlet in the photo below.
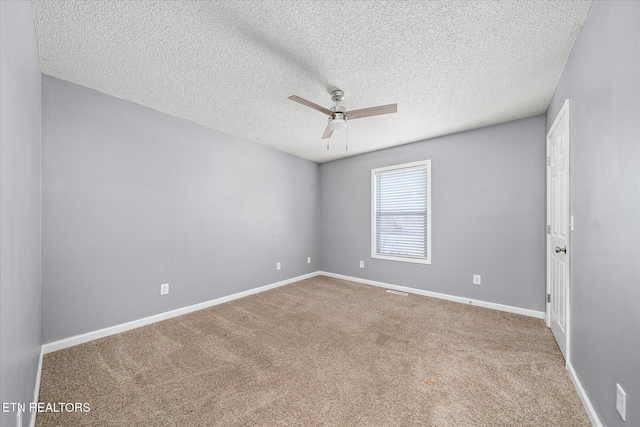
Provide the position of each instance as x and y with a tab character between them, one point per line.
476	279
164	289
277	266
621	402
361	264
308	260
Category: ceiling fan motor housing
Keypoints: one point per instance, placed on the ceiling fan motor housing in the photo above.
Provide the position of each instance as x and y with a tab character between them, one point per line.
337	120
338	116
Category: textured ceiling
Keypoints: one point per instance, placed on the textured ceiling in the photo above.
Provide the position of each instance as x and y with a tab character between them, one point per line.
230	65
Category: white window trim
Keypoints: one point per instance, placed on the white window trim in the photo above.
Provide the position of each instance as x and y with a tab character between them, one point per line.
426	260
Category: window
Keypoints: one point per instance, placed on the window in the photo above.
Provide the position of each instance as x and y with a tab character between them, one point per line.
401	212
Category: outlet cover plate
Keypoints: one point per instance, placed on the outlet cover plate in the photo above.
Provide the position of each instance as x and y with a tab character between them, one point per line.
621	402
164	289
477	279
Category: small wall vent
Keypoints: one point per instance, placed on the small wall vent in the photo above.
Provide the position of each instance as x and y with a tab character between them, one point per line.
391	291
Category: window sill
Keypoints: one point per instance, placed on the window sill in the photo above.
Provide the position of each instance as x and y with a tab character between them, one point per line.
402	259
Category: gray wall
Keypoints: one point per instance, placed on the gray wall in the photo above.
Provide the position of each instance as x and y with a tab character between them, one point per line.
20	273
133	198
488	215
602	79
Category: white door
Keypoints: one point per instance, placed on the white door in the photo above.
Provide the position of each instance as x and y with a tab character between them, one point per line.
558	218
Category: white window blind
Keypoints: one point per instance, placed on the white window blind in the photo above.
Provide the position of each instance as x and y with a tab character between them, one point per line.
401	212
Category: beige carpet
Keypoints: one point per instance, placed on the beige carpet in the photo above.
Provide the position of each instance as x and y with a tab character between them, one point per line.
320	352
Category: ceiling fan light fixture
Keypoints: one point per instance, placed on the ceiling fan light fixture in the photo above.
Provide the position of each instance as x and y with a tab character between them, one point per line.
337	122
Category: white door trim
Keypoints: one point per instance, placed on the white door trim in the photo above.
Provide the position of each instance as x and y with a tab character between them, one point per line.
564	111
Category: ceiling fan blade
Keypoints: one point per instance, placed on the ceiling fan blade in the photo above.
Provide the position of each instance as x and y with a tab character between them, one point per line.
311	105
373	111
327	133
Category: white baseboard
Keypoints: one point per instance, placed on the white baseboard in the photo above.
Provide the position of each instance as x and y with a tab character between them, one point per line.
591	412
492	305
36	392
90	336
112	330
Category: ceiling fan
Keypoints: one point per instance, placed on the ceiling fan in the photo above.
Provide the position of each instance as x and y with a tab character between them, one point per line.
338	115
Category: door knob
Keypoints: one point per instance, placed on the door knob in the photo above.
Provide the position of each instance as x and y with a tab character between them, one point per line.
559	249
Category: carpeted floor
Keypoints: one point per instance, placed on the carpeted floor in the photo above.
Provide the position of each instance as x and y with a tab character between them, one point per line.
320	352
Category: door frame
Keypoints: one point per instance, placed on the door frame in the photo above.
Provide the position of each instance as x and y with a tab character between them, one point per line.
564	111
